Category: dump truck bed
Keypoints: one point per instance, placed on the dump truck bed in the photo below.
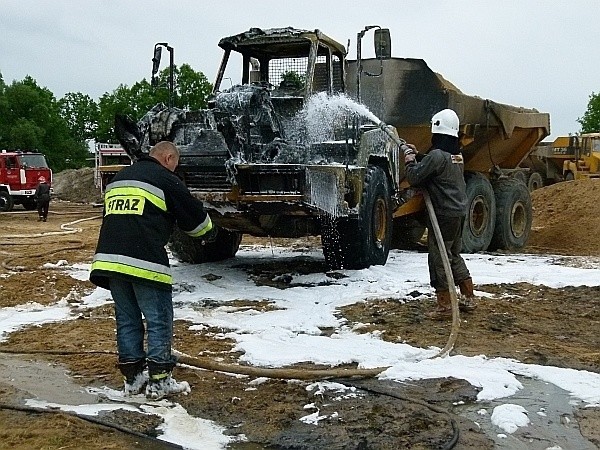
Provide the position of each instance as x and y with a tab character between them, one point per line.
409	93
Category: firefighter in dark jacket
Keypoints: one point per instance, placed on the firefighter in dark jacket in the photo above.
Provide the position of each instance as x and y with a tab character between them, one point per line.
441	172
141	205
42	198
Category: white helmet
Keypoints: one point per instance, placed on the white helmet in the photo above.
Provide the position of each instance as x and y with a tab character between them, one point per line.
445	122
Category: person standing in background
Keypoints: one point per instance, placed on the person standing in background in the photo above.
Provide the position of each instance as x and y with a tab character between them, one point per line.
42	198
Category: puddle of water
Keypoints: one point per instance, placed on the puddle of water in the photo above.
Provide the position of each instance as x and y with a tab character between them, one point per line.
551	414
55	386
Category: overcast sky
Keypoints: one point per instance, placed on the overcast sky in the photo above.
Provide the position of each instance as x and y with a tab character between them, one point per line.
535	54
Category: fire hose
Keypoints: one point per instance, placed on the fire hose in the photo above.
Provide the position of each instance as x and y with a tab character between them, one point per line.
67	228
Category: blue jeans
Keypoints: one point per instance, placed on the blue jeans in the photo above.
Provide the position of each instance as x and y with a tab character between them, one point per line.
131	301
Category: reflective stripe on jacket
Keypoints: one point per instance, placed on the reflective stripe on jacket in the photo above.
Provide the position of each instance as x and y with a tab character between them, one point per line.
141	205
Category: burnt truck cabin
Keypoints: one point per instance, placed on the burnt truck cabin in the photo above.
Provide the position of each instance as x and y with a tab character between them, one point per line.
245	149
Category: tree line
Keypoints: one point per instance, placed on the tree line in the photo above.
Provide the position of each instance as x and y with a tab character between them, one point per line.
33	119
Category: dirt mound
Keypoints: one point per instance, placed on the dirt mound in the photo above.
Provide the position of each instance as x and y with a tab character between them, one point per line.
566	217
76	185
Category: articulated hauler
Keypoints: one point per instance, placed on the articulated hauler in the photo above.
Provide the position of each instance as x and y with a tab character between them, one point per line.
259	169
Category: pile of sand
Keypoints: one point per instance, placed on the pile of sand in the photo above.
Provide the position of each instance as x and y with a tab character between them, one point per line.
566	218
76	185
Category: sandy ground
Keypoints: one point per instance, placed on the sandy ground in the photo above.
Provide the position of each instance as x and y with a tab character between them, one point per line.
534	324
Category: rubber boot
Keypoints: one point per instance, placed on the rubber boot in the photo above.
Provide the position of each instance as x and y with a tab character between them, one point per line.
135	378
466	302
443	310
162	384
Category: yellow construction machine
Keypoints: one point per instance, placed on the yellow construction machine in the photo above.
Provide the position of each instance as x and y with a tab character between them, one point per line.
564	159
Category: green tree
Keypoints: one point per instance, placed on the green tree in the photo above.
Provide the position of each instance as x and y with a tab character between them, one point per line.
192	88
30	119
132	101
81	113
590	122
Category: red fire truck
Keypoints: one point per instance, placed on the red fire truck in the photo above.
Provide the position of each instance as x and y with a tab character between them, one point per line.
19	175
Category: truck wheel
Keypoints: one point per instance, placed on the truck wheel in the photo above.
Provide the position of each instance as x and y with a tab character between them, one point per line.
406	233
569	176
513	215
6	201
357	243
519	175
535	181
478	228
192	250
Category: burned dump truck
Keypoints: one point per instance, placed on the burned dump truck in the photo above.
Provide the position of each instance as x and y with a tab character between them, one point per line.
285	152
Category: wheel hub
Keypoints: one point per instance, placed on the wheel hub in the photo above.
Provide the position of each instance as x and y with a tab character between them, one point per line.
379	221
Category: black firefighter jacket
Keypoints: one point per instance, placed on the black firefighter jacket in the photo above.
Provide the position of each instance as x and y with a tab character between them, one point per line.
141	205
441	173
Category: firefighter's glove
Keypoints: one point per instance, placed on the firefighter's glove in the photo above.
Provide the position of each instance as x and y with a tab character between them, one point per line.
210	236
408	149
410	153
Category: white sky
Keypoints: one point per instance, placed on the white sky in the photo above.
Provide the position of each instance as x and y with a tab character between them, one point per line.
531	53
292	333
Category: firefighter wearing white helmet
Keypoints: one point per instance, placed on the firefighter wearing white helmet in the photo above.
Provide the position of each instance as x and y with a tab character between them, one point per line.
445	122
441	172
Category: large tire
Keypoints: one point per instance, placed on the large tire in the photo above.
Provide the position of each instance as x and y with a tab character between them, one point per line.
357	243
6	202
569	176
478	228
407	232
513	215
535	181
192	250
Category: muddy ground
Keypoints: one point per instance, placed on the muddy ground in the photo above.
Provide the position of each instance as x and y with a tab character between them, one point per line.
533	324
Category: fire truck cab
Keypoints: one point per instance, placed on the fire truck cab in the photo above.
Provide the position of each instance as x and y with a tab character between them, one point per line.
19	175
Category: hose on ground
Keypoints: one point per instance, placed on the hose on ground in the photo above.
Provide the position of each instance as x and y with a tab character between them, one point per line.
67	229
75	245
455	430
213	366
148	438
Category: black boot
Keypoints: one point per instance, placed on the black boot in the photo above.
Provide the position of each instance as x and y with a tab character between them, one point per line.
134	376
161	383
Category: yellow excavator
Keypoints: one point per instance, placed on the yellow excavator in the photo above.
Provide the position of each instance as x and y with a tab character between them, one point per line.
583	159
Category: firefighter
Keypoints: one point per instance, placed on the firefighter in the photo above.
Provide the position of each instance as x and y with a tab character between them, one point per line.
141	205
441	172
42	198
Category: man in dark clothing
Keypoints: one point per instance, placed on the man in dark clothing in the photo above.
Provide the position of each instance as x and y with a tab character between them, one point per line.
42	198
141	205
441	172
